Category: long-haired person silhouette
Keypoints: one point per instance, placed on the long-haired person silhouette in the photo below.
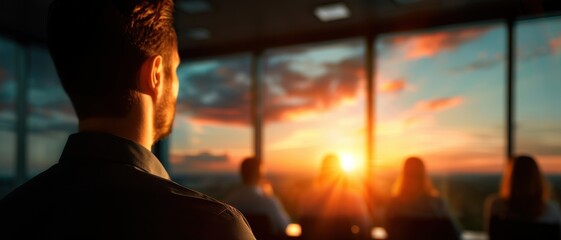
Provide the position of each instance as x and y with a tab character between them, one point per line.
416	211
523	208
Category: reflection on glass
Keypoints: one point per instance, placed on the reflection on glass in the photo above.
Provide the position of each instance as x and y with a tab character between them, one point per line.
537	94
51	117
7	107
314	105
212	128
440	96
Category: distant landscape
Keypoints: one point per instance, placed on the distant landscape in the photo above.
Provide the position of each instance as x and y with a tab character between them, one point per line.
465	193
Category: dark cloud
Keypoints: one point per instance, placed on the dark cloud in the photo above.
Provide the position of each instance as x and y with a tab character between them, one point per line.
220	95
7	125
202	161
524	54
480	64
302	94
206	157
7	86
50	121
3	75
42	122
521	54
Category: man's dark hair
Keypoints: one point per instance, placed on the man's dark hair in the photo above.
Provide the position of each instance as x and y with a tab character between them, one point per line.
98	47
250	170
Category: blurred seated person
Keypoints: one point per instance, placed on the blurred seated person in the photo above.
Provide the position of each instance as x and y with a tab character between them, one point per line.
256	198
522	208
333	209
415	210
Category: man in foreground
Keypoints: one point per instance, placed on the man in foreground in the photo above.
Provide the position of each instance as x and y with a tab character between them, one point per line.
117	61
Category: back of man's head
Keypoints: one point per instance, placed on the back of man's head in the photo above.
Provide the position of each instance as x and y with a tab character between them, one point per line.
251	171
98	47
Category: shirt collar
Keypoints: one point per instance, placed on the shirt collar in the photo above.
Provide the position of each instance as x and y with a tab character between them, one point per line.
102	147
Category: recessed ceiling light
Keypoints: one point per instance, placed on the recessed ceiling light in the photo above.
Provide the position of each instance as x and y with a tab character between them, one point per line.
194	6
198	33
332	12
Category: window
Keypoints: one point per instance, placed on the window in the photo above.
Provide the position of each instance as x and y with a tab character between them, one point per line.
537	98
8	91
212	129
313	104
538	116
51	117
440	95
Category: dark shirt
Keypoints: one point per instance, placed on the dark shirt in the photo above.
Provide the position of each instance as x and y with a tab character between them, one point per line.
107	187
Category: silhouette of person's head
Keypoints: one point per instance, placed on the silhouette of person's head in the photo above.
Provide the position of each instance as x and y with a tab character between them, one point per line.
116	58
413	181
330	169
524	187
251	171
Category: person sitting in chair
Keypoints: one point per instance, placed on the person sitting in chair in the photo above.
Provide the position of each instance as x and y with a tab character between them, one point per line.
523	201
256	197
415	204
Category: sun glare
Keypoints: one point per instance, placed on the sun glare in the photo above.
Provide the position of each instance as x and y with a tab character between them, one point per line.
348	163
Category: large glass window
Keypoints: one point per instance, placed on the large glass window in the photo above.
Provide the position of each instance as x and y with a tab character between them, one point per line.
212	129
538	116
8	90
314	105
537	93
440	95
51	117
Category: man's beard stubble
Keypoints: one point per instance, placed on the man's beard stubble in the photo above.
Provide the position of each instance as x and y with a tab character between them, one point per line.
164	115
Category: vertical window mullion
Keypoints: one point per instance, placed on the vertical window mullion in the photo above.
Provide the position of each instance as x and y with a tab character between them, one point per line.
22	79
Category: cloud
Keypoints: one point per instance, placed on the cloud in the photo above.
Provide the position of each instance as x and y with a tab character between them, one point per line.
422	114
202	161
481	63
539	138
291	93
215	96
431	44
218	95
391	86
526	54
45	121
439	104
3	75
8	87
206	157
555	44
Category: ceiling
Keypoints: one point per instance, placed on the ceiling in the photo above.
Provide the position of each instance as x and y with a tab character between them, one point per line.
251	25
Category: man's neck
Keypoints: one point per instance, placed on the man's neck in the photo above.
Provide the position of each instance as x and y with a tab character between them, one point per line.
130	128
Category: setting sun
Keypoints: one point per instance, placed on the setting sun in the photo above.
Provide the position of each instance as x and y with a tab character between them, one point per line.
348	163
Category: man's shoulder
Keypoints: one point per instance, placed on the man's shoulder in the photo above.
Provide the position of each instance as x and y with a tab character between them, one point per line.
185	199
183	209
146	203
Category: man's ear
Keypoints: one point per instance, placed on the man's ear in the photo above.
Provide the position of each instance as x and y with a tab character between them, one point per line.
151	76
